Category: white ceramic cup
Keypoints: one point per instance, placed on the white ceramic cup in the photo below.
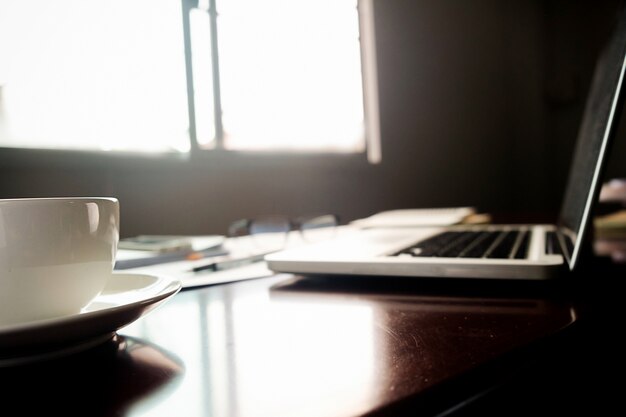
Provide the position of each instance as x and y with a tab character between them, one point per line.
56	255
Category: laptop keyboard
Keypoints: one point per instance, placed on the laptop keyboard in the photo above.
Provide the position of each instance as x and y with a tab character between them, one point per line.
502	244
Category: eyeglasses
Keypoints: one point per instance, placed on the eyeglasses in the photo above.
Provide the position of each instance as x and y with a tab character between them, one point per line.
271	233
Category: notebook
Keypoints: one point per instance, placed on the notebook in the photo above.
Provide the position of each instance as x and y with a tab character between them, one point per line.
533	251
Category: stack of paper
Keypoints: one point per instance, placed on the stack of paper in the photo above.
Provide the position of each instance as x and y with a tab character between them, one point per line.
416	217
209	245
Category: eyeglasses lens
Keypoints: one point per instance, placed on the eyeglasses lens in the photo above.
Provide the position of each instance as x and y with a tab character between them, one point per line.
270	233
319	228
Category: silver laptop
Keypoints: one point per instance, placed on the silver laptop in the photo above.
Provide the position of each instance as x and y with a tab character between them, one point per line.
531	251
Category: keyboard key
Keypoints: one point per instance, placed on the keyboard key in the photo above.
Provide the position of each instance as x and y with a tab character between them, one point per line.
480	245
502	246
522	249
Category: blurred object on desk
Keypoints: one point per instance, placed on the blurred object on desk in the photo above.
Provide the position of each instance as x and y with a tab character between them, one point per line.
167	243
613	248
197	247
156	243
240	256
477	218
610	236
610	221
614	191
270	233
183	271
611	225
244	253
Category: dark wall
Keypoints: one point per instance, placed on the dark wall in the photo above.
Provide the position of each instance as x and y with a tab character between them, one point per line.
480	102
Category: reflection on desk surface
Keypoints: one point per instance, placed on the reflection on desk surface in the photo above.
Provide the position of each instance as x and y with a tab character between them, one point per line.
451	296
113	378
261	348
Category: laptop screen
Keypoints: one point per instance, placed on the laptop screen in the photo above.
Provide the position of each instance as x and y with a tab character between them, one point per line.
599	124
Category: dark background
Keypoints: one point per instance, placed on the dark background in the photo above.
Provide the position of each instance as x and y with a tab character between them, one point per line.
480	104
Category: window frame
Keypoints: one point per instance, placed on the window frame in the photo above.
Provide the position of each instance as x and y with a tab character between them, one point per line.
369	76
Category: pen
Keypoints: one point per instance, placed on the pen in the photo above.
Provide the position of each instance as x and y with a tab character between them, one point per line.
229	263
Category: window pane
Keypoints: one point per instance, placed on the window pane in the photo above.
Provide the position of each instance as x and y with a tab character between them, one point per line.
92	74
291	74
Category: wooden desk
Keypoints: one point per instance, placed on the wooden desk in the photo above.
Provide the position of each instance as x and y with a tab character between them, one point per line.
289	346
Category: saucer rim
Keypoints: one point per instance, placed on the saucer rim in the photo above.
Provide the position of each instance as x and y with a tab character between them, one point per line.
162	288
165	287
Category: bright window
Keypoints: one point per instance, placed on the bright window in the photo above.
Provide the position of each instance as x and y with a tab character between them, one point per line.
92	74
112	75
293	81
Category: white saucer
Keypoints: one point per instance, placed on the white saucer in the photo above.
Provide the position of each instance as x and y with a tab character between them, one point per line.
125	298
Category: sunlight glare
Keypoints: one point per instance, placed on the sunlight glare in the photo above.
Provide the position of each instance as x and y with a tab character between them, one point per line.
291	75
92	74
